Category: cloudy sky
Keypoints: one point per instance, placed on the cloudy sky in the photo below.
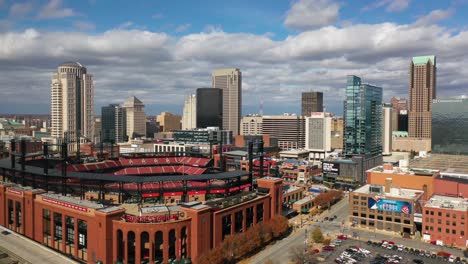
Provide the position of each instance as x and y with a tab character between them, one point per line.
161	51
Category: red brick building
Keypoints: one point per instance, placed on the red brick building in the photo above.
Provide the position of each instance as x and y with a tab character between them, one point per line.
445	221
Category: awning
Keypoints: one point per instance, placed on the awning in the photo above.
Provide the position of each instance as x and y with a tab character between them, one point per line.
292	200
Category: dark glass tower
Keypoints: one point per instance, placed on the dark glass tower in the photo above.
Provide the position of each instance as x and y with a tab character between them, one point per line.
450	126
114	124
312	102
209	107
362	118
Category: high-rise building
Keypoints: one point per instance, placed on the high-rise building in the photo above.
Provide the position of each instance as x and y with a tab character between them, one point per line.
388	116
114	124
168	121
288	129
422	90
312	102
230	81
399	103
402	121
337	133
72	102
136	117
209	108
189	116
251	125
450	126
362	118
318	135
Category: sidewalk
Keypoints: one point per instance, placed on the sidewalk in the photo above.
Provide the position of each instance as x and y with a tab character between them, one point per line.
30	250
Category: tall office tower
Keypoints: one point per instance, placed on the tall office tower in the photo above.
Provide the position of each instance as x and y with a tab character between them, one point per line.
189	116
362	118
251	125
337	133
312	102
230	81
288	129
136	117
388	116
318	135
210	108
169	122
421	92
114	124
72	102
450	126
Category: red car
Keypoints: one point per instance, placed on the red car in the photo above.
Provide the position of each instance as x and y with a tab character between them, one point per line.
342	237
328	248
391	242
316	251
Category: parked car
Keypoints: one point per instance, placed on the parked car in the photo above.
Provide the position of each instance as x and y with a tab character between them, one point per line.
418	261
342	237
328	248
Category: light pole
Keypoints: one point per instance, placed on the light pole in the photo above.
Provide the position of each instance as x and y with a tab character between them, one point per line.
305	246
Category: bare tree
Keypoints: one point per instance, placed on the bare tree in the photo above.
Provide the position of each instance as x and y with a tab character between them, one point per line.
299	256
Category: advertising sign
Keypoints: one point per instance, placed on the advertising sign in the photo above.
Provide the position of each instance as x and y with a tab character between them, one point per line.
331	168
389	205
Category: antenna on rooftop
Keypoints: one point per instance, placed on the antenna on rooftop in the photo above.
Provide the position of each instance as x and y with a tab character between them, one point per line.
261	107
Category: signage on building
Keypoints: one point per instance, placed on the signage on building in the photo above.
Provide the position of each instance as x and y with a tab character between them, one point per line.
331	168
64	204
15	192
417	218
389	205
150	218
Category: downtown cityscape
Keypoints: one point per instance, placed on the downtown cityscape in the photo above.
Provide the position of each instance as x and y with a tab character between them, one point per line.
309	131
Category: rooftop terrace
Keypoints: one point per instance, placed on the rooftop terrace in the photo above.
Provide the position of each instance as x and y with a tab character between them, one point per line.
442	162
446	202
394	191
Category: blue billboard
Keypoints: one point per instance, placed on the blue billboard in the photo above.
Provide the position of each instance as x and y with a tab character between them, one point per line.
389	205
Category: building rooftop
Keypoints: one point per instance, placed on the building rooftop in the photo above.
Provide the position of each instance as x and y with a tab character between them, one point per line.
394	191
446	202
294	151
405	171
420	60
290	188
305	199
75	201
224	203
237	153
443	162
71	64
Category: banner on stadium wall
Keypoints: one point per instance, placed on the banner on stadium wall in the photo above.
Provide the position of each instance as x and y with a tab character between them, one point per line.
389	205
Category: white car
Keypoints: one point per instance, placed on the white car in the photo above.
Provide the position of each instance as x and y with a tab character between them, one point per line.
389	246
451	259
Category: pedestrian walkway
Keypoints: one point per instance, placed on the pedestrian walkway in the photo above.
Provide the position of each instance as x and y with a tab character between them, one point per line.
29	250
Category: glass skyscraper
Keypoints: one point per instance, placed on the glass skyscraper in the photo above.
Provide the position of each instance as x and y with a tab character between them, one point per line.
450	126
362	118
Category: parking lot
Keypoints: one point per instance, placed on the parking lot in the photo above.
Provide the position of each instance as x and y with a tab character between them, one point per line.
405	257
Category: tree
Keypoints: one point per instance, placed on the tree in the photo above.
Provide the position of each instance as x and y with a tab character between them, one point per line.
299	256
317	235
326	241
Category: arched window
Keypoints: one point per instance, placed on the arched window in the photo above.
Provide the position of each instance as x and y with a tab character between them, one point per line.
172	245
158	247
144	247
120	246
131	247
183	242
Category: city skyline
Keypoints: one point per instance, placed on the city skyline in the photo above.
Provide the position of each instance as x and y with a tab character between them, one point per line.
165	53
